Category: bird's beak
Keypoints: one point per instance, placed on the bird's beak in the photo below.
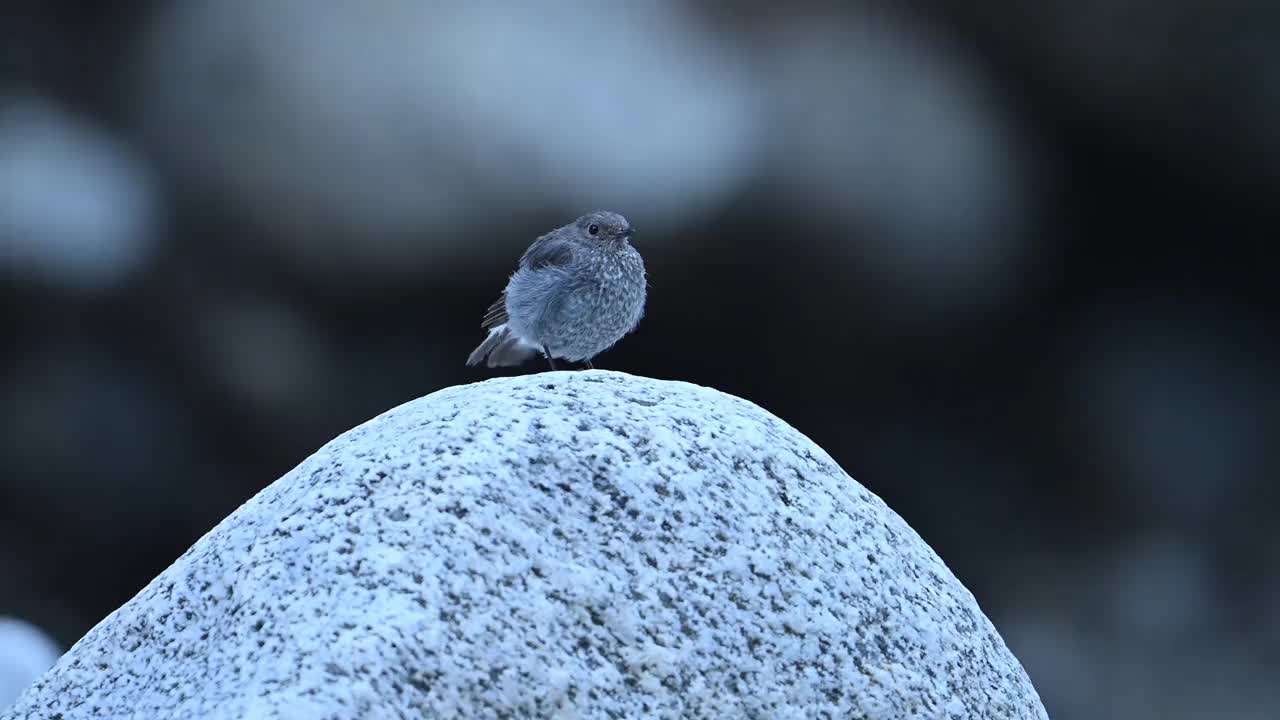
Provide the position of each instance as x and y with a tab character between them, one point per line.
626	234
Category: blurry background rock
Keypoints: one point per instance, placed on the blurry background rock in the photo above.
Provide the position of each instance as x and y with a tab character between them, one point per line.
1010	263
25	653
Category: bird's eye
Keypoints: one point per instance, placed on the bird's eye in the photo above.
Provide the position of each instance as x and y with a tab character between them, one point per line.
594	229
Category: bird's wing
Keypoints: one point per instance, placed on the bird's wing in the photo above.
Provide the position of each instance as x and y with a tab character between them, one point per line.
496	314
547	251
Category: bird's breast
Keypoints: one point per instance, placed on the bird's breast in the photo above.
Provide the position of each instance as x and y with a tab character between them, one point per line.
618	286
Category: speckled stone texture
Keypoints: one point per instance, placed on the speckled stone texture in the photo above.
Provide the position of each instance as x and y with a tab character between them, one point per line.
559	545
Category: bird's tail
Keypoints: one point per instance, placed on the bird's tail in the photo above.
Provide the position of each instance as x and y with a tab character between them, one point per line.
501	348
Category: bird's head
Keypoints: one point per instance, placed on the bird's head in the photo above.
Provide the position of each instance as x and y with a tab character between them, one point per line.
603	227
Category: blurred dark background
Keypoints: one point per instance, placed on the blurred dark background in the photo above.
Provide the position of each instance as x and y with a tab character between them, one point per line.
1010	263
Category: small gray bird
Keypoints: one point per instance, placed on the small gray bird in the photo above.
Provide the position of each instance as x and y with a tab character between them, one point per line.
577	291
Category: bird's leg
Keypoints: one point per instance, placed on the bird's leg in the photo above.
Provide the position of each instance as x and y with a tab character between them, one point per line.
547	352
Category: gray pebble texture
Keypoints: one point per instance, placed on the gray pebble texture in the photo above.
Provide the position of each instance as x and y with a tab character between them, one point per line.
559	545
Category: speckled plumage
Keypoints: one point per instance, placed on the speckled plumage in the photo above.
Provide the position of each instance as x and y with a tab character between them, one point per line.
575	293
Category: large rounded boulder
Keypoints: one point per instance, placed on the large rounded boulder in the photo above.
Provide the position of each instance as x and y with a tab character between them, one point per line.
560	545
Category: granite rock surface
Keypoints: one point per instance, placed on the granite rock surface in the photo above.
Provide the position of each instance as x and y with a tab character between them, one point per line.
559	545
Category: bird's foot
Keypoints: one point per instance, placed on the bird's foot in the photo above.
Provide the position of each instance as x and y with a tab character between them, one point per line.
567	364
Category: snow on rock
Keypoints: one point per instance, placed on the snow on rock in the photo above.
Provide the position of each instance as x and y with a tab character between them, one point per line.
558	545
25	654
